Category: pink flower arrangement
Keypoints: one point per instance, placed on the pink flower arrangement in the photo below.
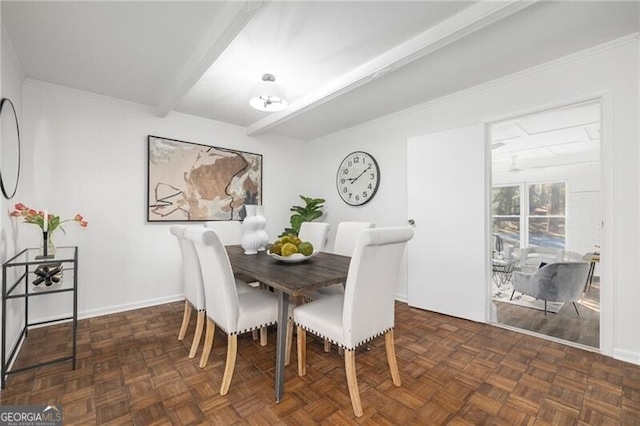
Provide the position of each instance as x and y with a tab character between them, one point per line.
53	222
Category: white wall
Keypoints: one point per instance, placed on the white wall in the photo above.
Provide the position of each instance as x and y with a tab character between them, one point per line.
11	80
610	71
88	155
11	87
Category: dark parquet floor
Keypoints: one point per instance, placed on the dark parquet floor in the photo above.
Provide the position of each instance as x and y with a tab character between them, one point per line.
133	370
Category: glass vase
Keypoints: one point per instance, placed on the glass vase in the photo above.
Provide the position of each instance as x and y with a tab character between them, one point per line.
47	246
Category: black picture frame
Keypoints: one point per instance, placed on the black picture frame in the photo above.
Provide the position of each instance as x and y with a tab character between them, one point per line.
192	182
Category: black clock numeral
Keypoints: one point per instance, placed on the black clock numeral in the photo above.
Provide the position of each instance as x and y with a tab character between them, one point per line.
372	176
364	194
350	194
356	160
344	189
345	171
357	198
370	186
343	180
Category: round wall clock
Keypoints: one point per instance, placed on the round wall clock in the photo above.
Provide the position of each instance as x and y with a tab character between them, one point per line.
358	178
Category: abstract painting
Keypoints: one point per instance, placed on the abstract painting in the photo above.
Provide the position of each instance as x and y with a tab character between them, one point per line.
192	182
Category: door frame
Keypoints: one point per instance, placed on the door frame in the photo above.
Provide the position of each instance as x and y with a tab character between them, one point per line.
606	187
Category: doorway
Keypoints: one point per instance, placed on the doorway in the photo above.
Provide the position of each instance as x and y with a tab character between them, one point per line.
546	207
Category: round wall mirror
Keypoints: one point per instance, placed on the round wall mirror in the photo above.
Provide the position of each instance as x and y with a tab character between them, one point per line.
9	149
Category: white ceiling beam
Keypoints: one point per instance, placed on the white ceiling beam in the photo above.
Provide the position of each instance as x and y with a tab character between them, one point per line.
226	27
464	23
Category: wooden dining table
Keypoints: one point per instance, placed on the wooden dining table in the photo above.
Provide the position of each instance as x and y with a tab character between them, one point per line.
288	279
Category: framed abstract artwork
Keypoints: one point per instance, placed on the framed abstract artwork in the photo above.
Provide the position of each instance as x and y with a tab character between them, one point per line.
192	182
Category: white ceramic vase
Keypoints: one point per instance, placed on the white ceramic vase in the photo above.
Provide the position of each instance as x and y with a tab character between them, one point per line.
261	231
251	239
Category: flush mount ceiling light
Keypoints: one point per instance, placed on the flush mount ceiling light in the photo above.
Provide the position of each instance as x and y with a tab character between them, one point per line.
267	95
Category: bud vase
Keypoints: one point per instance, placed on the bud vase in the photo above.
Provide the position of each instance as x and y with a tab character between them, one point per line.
262	233
251	239
47	247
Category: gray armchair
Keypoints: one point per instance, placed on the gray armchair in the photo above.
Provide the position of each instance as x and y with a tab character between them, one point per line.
555	282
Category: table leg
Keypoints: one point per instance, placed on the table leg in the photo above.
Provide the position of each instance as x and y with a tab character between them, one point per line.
281	344
587	285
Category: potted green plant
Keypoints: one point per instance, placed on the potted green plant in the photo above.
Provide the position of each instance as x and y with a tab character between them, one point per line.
311	211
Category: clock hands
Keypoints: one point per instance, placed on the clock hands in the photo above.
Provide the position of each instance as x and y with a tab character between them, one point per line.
358	177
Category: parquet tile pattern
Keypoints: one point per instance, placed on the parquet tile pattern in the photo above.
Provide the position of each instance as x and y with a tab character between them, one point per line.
132	369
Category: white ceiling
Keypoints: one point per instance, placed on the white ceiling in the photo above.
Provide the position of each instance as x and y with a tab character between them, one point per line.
341	63
554	138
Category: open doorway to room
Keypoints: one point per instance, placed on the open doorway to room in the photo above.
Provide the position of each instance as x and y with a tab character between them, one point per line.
546	223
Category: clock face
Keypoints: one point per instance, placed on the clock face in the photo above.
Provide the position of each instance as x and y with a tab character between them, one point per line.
358	178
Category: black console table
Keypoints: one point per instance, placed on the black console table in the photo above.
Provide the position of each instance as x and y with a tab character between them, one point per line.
54	274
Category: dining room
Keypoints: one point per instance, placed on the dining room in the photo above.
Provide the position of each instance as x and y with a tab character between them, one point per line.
85	150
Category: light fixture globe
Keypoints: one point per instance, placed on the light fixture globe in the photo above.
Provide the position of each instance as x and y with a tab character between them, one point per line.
267	95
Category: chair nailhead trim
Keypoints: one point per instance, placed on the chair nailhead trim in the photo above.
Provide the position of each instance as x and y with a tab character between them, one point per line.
258	327
340	345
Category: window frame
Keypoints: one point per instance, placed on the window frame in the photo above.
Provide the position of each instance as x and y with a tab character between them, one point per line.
524	216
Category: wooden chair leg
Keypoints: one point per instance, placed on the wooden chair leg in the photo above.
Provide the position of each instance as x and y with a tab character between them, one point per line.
197	335
302	351
327	345
232	350
391	357
208	343
352	381
254	334
289	342
263	336
185	320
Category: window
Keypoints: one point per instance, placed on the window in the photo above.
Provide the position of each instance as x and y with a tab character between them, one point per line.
546	222
530	214
506	214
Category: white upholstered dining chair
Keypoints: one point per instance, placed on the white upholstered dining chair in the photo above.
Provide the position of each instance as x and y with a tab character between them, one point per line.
347	235
194	288
229	231
316	233
365	311
233	312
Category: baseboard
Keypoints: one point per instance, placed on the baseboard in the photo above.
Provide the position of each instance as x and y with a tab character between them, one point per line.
401	297
129	306
113	309
627	356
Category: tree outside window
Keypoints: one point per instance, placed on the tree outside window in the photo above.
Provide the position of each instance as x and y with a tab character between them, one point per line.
506	214
547	215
